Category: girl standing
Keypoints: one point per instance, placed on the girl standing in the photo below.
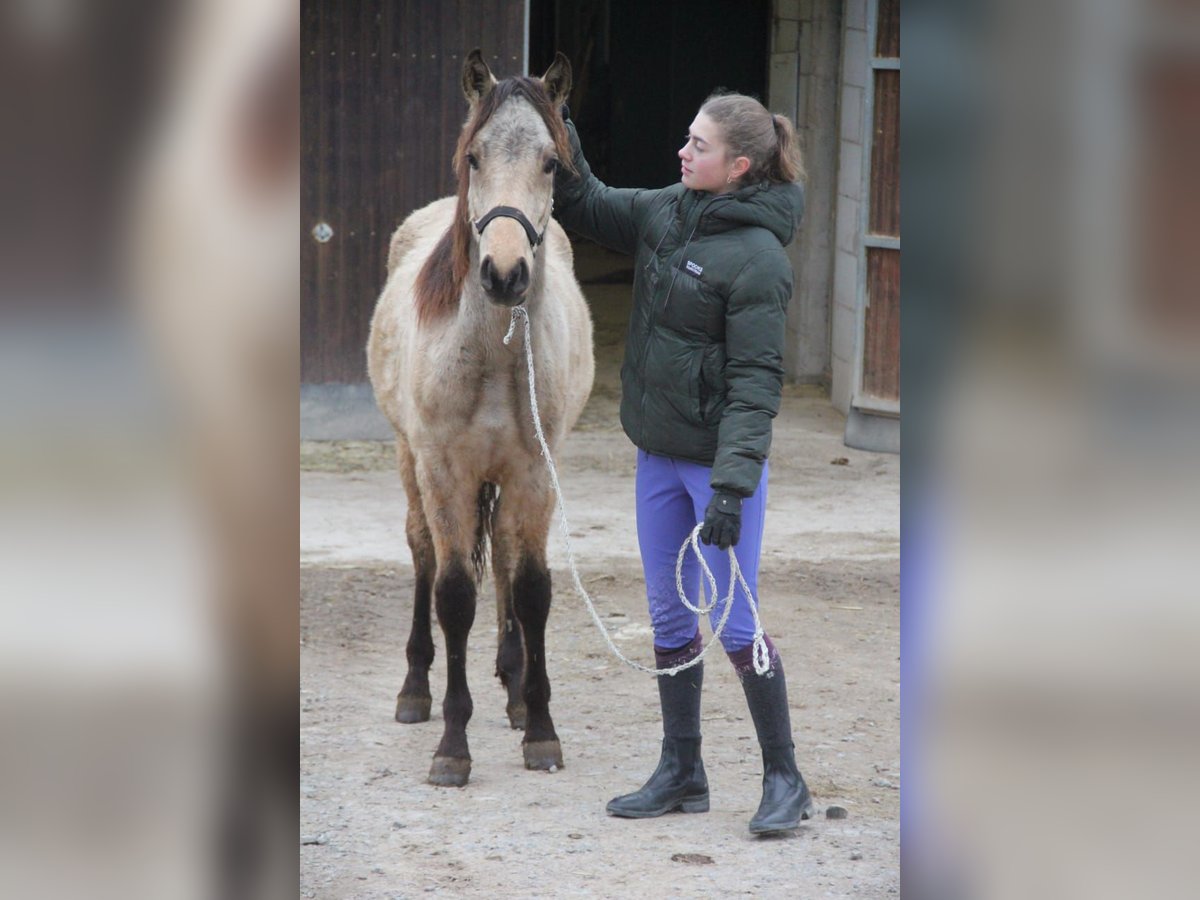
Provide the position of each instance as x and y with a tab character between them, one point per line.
701	383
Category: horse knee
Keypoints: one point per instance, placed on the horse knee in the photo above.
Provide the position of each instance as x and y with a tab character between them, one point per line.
455	598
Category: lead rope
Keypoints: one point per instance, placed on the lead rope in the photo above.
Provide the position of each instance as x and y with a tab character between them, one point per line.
762	662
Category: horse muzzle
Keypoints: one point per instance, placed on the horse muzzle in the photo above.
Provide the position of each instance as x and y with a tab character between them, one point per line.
506	288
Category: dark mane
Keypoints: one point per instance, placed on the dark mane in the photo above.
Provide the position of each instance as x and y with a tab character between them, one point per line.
439	283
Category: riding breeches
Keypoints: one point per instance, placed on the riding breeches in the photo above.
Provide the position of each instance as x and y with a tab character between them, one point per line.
672	496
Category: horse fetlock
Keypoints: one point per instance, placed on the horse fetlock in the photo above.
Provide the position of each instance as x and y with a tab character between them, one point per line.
517	714
450	771
543	754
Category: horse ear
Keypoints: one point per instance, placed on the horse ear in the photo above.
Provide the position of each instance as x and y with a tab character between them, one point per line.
558	79
477	78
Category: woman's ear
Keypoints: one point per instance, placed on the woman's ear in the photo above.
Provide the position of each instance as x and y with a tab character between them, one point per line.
741	166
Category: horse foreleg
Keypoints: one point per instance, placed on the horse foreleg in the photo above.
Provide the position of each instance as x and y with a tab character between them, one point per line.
414	701
455	598
453	495
510	652
531	604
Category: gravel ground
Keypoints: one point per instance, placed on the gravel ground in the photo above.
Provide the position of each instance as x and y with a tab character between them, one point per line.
372	827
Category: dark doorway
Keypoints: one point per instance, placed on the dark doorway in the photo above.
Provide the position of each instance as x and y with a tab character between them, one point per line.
642	70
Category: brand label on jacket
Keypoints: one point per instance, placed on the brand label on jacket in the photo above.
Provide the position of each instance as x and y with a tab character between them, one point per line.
694	268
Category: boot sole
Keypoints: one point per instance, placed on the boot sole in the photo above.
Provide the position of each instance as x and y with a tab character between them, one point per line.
691	805
806	812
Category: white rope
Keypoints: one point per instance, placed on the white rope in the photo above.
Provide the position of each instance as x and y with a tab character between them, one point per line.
761	658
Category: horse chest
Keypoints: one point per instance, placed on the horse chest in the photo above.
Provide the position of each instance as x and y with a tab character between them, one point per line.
475	398
498	408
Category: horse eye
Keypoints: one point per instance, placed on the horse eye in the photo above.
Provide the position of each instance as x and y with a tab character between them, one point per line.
472	161
551	166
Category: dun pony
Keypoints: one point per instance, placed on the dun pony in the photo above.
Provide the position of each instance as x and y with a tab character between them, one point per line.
458	399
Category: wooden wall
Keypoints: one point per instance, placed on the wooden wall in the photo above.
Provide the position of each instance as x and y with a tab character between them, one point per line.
382	109
881	328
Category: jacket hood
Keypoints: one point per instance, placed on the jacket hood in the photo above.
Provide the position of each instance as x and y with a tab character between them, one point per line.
776	207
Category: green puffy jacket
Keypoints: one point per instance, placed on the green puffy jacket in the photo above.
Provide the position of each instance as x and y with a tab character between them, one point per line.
703	369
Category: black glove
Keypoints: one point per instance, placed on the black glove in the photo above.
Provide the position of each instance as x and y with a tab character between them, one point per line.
722	520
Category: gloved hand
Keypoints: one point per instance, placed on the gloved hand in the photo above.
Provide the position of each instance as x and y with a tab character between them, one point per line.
722	520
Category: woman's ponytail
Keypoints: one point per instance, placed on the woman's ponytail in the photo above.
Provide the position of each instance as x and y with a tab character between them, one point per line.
785	165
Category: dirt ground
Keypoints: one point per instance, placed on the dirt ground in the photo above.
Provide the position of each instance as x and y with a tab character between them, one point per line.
372	828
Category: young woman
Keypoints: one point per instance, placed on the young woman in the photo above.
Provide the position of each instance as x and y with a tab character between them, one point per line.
701	382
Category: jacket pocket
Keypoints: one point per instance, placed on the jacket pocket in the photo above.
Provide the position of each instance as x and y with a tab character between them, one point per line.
711	381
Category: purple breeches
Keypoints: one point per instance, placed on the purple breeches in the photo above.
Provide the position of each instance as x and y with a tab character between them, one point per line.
672	496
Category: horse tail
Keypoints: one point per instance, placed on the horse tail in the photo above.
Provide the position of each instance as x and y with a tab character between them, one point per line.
486	505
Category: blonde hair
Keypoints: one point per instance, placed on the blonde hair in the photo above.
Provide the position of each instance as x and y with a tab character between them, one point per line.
749	130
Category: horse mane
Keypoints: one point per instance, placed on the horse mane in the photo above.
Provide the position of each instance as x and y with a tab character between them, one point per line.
439	284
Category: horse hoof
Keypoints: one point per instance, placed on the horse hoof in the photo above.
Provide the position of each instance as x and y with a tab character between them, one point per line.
449	771
516	716
413	709
543	755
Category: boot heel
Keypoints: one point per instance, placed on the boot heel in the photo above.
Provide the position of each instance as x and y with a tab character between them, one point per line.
695	805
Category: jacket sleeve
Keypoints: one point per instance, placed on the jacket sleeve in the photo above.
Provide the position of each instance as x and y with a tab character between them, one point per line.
755	326
584	204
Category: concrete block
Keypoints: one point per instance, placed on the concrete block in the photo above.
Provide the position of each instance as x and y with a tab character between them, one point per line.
843	334
847	225
787	9
787	36
854	59
807	67
333	412
805	122
782	84
851	113
856	14
850	172
841	384
845	280
878	434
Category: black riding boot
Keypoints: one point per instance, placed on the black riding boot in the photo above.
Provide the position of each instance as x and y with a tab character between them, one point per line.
679	781
785	798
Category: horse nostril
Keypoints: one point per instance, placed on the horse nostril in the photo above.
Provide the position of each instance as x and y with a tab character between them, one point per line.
487	273
518	280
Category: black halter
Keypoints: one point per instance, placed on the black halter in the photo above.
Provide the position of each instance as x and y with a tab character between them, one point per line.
511	212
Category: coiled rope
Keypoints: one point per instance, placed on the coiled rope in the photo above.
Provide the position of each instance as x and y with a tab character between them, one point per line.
762	662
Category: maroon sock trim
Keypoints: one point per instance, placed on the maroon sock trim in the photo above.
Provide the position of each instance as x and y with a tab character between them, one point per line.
743	658
668	659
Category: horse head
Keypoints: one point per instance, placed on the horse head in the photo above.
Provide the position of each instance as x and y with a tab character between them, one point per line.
512	144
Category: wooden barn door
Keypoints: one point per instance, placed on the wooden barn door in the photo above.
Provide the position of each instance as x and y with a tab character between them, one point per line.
879	379
383	106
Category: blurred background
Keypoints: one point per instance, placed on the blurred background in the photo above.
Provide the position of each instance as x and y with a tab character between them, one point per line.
149	190
149	418
1051	330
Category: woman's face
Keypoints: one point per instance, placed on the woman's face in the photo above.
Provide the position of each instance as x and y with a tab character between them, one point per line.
704	166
